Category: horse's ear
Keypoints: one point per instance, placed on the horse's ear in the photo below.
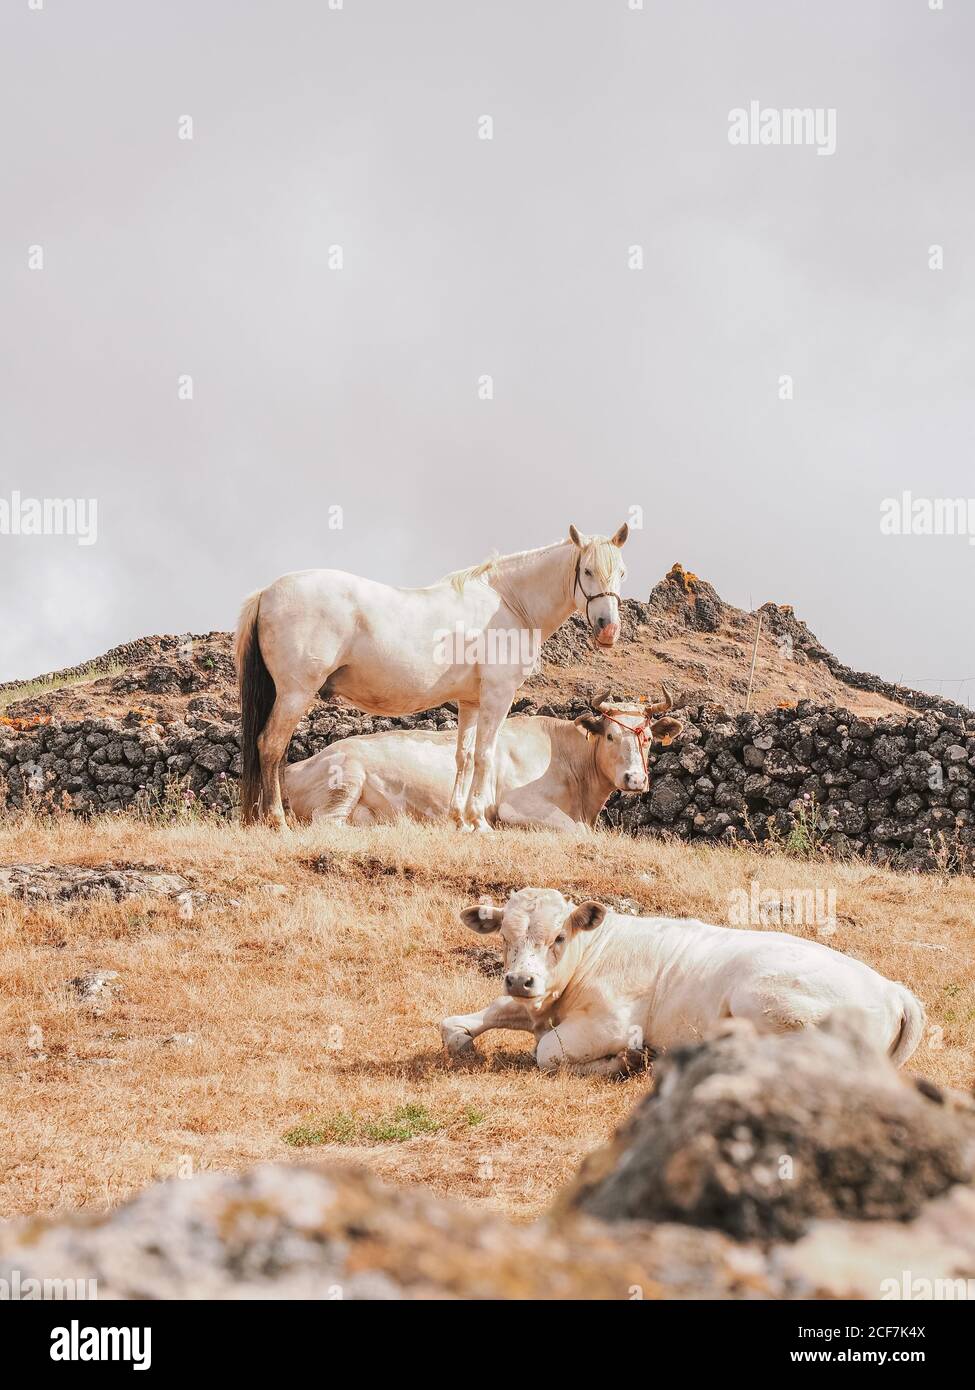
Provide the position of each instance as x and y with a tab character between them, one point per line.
620	538
574	537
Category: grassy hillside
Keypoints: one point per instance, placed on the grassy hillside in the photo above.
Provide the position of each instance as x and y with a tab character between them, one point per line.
311	978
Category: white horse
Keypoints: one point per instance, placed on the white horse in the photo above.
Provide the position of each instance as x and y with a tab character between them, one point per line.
471	638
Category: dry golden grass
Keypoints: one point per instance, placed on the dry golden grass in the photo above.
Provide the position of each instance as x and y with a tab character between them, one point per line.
318	1006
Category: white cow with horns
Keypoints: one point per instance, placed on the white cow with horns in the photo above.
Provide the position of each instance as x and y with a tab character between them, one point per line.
557	773
596	987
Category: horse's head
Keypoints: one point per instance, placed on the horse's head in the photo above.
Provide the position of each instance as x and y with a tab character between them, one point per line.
599	572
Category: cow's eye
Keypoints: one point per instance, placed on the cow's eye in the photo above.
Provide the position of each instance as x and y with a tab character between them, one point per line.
559	939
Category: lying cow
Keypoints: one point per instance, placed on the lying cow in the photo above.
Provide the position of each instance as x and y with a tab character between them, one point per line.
595	987
548	772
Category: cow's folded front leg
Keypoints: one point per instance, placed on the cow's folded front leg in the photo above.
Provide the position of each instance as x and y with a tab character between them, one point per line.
458	1033
585	1049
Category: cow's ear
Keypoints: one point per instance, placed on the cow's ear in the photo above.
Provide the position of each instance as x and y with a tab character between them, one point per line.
620	538
592	723
666	730
574	537
587	917
483	918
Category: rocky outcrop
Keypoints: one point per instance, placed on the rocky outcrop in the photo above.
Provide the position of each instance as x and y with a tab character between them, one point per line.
704	1152
759	1136
72	883
686	600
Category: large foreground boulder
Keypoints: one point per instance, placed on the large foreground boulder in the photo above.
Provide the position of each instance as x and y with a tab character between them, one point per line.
280	1231
758	1136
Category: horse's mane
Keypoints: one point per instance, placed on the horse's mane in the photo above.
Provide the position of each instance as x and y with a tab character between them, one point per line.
458	578
495	564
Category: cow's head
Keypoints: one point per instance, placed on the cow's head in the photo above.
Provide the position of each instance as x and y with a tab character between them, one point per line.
623	734
598	573
537	927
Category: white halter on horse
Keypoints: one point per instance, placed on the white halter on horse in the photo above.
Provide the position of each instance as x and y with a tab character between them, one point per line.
471	638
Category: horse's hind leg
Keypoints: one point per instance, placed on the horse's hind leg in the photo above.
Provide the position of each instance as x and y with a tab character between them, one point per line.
272	747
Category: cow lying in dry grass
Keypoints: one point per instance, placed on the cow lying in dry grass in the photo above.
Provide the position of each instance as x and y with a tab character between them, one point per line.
597	988
557	773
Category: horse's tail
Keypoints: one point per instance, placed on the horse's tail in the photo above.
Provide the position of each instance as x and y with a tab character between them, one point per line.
257	696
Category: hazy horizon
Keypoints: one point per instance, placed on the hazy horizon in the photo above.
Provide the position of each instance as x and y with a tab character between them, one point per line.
316	387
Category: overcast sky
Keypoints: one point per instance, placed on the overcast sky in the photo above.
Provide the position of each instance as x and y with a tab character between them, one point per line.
464	257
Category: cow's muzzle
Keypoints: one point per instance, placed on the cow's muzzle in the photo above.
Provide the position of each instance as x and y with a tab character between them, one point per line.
522	986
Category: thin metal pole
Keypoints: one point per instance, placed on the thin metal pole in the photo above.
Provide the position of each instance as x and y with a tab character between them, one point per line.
751	674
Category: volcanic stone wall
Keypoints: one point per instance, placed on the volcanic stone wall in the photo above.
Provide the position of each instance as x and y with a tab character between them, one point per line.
898	790
109	765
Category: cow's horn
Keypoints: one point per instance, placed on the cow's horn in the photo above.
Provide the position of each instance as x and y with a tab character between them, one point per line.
599	700
662	705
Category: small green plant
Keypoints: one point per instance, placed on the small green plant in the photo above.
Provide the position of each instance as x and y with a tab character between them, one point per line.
806	836
405	1122
339	1129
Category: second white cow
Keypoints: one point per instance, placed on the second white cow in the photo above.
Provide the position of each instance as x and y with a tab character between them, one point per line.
595	987
556	773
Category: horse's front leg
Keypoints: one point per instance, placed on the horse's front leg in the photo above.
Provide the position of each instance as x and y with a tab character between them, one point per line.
458	1033
466	731
490	716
